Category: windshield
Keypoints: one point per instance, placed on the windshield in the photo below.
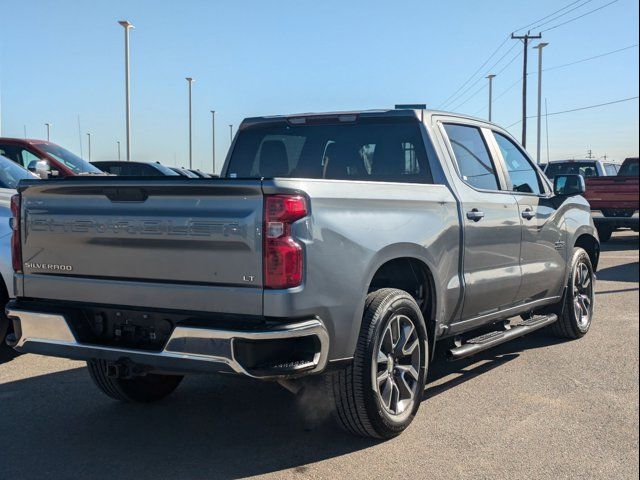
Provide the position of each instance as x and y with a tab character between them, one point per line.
629	168
375	150
68	159
586	169
11	173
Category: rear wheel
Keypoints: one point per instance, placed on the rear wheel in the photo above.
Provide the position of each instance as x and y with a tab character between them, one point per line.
142	389
576	312
380	392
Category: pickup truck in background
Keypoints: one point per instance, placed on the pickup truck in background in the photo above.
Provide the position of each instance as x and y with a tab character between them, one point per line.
615	200
587	167
342	245
46	159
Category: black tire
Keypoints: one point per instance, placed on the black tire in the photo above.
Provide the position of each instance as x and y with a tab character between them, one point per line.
357	403
140	389
605	233
6	327
568	325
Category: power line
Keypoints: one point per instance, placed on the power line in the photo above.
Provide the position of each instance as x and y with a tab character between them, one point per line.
457	97
476	72
544	18
560	16
506	90
580	108
590	58
580	16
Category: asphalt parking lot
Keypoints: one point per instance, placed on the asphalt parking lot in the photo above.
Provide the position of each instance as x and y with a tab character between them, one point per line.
534	408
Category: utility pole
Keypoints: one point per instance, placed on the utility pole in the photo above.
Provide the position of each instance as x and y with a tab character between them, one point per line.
213	140
525	39
48	125
490	77
190	81
546	122
540	46
89	144
589	154
127	26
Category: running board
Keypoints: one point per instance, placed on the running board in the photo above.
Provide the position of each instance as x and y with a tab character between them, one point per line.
491	339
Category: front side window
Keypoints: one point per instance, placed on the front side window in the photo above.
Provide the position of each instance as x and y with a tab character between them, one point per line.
364	150
523	175
471	153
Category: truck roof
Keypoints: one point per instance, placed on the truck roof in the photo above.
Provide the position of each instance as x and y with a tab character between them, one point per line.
389	112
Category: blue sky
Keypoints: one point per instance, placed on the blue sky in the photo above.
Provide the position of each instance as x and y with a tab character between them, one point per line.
60	59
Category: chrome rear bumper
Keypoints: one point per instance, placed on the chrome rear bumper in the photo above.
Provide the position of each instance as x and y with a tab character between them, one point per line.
188	348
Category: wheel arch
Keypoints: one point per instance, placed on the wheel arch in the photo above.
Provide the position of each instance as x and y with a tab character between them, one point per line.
407	270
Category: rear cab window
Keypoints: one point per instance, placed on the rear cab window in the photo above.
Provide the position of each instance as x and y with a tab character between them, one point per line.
585	168
366	149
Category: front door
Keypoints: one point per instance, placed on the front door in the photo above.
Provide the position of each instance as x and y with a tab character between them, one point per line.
542	257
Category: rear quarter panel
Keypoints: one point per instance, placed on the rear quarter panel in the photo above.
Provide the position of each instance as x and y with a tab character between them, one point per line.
353	229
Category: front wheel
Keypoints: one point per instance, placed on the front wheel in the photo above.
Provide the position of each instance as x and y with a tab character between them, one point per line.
143	389
576	311
379	394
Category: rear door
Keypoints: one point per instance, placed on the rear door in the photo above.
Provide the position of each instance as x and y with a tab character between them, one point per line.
192	244
491	224
542	256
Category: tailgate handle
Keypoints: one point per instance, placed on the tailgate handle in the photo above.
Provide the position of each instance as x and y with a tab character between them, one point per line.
126	194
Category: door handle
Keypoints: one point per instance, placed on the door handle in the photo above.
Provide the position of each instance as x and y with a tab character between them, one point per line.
528	214
475	215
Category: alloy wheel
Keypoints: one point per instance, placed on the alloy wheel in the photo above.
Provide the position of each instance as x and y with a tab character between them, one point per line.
396	366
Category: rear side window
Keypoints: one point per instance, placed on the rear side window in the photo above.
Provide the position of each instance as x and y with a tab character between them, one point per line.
522	174
389	151
472	156
611	169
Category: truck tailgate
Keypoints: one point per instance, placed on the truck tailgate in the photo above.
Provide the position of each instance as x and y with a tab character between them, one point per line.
612	192
186	243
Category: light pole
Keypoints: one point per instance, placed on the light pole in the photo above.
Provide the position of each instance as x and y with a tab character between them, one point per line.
190	81
230	132
118	142
48	125
490	77
127	26
213	140
540	46
89	144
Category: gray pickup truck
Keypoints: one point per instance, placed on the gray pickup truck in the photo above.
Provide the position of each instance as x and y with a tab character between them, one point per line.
341	244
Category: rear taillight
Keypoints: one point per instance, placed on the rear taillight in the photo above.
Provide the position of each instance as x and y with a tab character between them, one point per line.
283	256
16	247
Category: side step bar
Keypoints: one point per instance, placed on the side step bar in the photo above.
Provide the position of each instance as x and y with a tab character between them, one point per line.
491	339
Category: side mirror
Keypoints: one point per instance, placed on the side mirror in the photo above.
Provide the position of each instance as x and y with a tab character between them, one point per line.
569	185
40	167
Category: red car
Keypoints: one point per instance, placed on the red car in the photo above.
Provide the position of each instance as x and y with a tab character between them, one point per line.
60	162
614	200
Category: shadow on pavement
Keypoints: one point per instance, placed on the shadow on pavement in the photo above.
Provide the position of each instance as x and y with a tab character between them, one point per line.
620	242
627	272
59	426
